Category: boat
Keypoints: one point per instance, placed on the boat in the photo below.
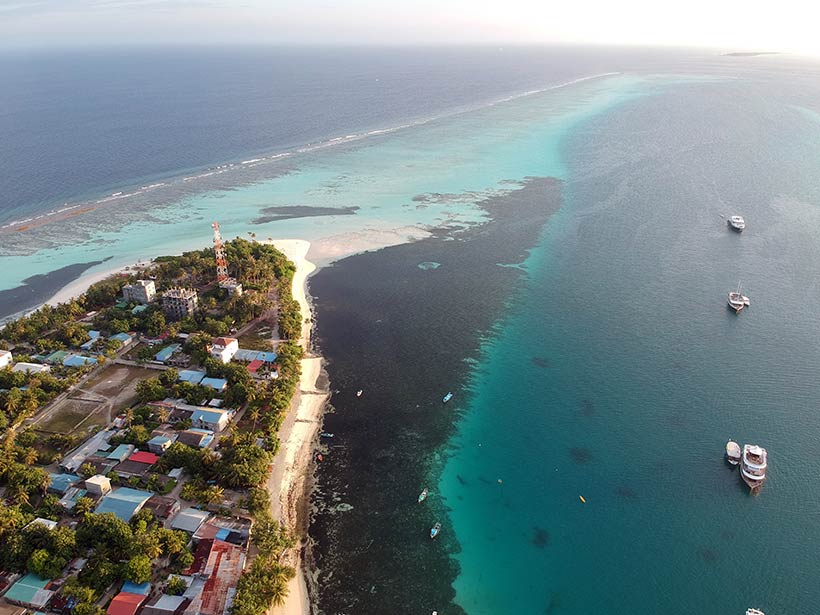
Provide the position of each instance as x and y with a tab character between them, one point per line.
326	434
423	495
447	397
435	530
754	612
359	393
737	223
737	300
733	452
753	466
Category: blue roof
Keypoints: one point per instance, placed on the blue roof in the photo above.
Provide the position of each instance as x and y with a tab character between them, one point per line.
27	590
93	334
159	440
251	355
120	453
191	375
88	344
123	502
136	588
207	416
120	337
215	383
165	354
61	482
138	308
77	360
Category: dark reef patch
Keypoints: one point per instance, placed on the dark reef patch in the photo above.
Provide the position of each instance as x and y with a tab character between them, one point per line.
289	212
540	362
40	288
540	537
587	407
580	455
393	433
707	555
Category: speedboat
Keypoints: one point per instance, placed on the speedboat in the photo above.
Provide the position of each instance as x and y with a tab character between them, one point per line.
359	393
753	466
435	530
737	223
737	300
733	452
754	612
447	397
326	434
423	495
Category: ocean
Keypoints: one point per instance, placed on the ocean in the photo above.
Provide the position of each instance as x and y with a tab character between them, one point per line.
571	293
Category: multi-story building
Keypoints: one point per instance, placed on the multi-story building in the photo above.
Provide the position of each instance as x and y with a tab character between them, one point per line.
177	303
141	291
224	348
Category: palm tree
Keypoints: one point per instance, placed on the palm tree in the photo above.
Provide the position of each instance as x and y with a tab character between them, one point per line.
253	414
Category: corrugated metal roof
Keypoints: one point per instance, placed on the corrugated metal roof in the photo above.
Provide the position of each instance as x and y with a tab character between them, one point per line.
136	588
143	457
30	590
215	383
191	375
61	482
189	519
121	452
251	355
123	502
125	603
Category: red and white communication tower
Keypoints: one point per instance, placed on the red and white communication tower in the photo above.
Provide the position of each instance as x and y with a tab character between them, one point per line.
221	259
223	279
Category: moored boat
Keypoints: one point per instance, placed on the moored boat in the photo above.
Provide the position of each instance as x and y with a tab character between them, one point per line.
435	530
737	300
737	223
754	612
423	495
447	397
326	434
733	452
753	465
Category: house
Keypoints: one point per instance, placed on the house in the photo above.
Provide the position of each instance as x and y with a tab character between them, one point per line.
60	483
121	453
197	438
163	507
123	502
69	500
141	291
78	360
47	523
192	376
125	603
159	444
57	357
217	384
30	591
5	358
30	368
246	356
223	568
166	353
98	485
138	464
189	520
167	605
72	462
223	348
213	419
123	338
235	530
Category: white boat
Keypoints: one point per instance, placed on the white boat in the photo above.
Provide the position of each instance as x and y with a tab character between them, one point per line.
754	612
753	466
359	393
436	530
423	495
733	452
737	223
737	300
447	397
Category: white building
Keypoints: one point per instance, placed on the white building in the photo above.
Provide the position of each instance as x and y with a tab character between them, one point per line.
98	484
224	348
5	358
141	291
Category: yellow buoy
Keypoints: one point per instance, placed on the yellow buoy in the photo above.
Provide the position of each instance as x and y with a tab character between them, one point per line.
582	499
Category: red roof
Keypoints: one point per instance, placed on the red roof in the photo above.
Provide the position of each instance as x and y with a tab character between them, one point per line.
143	457
125	603
255	365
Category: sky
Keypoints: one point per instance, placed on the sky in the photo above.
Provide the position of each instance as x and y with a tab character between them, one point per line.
786	26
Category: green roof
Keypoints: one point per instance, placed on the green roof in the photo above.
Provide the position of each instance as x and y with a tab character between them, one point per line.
30	590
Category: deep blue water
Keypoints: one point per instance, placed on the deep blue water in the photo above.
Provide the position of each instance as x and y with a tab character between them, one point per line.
78	123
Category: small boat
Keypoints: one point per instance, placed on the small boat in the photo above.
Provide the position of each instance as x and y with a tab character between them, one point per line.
754	612
435	530
733	452
326	434
359	393
738	301
583	499
423	495
447	398
737	223
753	466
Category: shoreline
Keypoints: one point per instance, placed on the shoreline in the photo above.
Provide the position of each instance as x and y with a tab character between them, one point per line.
290	481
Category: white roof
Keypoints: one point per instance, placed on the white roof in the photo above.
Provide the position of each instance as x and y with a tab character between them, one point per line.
46	522
189	519
4	352
98	479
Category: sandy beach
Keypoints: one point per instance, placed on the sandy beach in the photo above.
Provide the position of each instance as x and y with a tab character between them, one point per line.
290	480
